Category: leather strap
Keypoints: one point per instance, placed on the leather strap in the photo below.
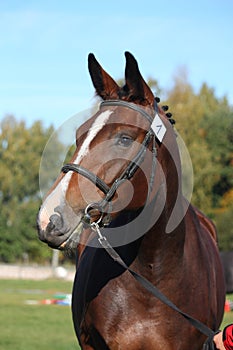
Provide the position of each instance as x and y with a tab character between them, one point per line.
88	174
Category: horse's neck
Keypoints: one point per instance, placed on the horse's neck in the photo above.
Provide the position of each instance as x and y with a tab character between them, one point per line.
159	226
164	240
148	227
161	250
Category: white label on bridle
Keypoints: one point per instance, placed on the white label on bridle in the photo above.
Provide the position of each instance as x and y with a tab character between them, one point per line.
158	127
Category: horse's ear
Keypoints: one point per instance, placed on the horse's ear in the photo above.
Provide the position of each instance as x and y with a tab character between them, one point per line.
135	84
105	86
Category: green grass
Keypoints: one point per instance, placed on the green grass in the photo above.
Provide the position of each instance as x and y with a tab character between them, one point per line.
40	327
35	327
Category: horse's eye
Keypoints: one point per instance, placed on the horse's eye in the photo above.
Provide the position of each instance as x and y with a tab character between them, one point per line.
124	140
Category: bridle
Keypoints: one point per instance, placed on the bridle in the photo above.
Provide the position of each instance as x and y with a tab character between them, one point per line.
104	205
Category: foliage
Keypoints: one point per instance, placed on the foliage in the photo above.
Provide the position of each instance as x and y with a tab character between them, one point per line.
219	138
223	216
205	122
20	153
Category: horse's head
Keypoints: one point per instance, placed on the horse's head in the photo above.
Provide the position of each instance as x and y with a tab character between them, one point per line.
112	168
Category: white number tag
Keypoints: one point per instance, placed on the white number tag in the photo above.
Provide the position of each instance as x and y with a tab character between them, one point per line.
158	127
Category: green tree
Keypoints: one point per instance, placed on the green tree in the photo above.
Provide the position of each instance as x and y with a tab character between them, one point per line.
223	217
188	113
217	126
20	154
205	122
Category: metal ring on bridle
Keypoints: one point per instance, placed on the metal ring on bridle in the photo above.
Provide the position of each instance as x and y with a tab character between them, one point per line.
94	206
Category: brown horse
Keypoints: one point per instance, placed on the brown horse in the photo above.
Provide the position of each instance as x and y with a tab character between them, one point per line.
125	177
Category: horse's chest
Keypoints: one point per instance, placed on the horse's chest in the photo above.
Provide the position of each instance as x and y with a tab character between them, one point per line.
124	319
135	332
120	314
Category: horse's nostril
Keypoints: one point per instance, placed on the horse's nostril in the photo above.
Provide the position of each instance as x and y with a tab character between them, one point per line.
55	222
50	226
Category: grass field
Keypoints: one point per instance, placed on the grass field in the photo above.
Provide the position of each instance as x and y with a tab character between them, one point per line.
27	324
35	326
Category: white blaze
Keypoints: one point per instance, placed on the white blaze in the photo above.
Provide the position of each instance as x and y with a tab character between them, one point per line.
95	128
56	197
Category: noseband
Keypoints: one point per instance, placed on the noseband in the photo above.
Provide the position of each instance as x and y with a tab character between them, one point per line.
127	174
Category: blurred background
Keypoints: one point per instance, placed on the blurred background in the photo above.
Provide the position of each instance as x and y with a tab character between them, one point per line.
185	53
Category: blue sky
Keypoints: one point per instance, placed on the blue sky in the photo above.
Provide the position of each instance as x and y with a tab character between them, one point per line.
44	47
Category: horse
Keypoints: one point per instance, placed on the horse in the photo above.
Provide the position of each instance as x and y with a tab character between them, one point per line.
123	184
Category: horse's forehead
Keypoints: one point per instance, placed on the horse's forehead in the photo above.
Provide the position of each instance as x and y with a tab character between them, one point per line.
127	116
88	132
110	116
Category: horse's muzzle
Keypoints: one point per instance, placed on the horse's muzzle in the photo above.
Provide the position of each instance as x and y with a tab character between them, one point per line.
56	235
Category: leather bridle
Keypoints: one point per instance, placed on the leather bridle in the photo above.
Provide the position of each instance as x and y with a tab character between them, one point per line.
127	174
